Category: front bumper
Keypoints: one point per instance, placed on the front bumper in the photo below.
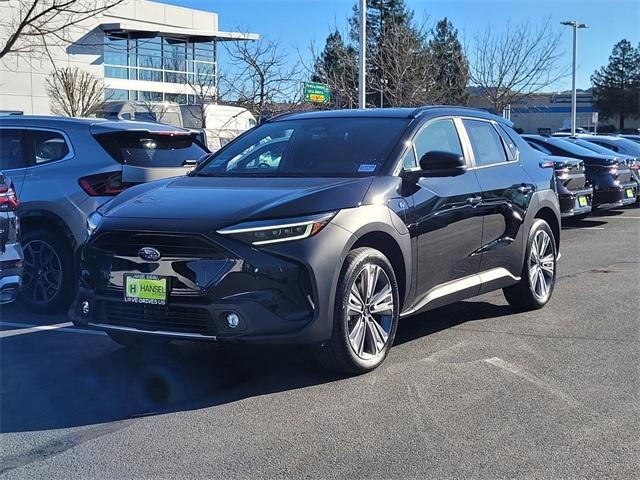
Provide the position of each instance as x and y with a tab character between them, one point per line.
608	198
570	202
11	277
281	294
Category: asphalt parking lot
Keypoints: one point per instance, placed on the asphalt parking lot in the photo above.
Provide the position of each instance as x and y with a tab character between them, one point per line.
472	390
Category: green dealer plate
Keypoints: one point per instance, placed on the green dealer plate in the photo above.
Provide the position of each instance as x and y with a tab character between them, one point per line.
145	288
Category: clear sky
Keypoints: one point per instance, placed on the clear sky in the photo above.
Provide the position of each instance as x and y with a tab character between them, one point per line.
295	23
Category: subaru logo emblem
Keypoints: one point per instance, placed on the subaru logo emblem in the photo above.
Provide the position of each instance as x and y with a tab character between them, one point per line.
149	253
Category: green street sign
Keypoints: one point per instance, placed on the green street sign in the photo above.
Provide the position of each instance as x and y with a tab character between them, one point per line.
316	92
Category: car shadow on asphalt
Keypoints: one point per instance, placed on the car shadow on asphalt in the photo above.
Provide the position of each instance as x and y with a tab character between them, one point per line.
67	380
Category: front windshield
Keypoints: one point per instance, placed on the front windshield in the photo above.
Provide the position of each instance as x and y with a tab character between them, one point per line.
592	146
569	146
320	147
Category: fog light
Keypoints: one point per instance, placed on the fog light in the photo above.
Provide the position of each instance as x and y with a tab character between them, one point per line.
233	320
84	307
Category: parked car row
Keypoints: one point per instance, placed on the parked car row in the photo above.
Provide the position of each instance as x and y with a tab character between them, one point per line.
589	175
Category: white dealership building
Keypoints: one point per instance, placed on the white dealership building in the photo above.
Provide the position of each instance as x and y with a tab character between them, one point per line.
143	50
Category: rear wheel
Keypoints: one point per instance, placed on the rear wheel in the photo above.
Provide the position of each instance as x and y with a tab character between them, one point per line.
365	314
48	276
539	270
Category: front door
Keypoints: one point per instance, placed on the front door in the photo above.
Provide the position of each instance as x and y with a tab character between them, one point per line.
445	222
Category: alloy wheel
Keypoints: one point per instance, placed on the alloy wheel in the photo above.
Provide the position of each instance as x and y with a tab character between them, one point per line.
42	275
541	265
370	312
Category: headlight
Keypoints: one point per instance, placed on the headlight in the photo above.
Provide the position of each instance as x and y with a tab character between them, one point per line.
562	173
93	221
276	231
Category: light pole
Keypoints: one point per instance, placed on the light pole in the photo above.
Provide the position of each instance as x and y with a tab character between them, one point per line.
362	57
575	25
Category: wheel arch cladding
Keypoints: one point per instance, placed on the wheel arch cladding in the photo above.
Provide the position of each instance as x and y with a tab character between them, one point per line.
50	221
387	245
546	214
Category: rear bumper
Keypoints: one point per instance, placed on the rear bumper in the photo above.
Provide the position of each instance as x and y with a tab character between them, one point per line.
570	202
615	197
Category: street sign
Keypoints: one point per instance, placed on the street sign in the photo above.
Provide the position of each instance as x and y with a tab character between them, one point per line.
316	92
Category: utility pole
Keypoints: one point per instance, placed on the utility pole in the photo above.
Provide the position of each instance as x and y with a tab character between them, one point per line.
575	25
362	57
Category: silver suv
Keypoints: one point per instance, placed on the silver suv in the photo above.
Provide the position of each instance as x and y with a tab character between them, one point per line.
65	168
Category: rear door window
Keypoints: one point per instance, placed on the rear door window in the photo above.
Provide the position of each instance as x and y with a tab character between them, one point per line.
12	151
145	149
46	146
487	145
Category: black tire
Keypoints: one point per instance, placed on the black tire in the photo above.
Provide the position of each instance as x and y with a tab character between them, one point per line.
132	340
48	282
526	294
338	354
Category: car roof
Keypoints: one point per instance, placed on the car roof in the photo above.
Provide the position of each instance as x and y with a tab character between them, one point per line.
51	121
611	138
399	112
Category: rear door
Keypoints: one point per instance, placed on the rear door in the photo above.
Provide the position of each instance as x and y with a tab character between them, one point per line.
13	156
146	156
506	194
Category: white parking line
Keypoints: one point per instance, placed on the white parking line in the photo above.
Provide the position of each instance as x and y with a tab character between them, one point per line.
60	327
520	372
583	228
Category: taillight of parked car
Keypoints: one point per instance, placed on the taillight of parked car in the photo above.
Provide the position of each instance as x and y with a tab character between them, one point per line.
8	197
103	184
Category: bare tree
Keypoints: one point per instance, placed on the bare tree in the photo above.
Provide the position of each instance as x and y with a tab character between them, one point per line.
516	63
29	25
74	92
260	78
203	87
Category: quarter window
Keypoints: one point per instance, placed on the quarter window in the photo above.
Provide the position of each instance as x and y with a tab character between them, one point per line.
46	146
440	135
486	143
11	149
512	148
409	161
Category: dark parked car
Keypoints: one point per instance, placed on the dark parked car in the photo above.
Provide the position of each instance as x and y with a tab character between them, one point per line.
324	228
609	175
10	250
575	196
632	159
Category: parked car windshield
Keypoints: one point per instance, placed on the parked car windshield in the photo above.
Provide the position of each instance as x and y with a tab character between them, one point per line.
592	146
569	146
340	147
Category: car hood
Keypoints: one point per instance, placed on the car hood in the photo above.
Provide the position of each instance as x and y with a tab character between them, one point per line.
229	199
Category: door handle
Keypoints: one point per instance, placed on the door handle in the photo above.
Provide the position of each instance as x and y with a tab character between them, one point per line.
525	189
474	200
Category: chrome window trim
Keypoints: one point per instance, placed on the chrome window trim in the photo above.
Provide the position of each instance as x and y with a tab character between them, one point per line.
68	156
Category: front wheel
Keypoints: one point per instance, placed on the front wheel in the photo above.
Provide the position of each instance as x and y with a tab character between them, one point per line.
539	270
365	314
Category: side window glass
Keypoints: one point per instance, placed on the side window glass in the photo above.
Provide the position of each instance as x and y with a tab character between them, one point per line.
12	149
512	148
46	146
440	135
607	145
409	161
485	141
540	148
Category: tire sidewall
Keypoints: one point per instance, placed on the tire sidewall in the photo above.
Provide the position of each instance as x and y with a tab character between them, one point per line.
538	225
349	273
65	255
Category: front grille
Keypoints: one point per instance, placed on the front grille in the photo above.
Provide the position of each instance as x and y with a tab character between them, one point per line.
128	244
156	317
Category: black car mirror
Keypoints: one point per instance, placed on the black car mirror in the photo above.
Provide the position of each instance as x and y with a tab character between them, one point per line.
437	163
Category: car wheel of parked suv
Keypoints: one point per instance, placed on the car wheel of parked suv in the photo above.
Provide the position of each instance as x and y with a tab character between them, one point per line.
539	271
365	315
47	282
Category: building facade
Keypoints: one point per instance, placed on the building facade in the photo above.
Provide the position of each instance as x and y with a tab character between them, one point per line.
142	50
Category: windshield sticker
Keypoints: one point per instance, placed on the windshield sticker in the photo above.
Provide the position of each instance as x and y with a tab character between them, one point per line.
367	167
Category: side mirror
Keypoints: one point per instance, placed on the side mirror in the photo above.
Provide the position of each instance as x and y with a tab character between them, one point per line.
442	164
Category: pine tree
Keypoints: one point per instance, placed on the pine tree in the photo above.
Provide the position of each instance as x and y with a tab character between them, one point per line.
617	85
337	67
450	63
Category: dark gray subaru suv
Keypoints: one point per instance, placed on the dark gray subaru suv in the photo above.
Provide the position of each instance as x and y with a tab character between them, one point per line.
326	228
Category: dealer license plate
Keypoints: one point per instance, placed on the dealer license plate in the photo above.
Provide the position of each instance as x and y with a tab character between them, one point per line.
145	288
582	201
630	193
